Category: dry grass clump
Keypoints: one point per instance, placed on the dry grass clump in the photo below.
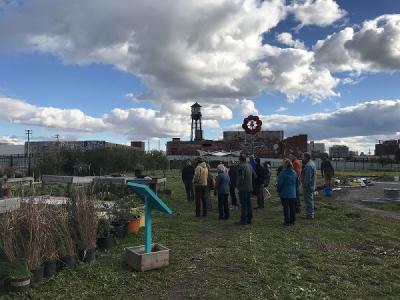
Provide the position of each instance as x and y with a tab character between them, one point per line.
84	219
23	234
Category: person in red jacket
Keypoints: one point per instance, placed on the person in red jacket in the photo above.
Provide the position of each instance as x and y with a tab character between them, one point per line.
297	168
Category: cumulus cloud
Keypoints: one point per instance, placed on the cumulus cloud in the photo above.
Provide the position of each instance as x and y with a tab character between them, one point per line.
211	50
20	112
248	107
368	118
286	38
373	47
316	12
134	123
364	144
294	72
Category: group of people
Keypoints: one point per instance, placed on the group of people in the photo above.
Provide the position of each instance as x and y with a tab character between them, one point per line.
250	177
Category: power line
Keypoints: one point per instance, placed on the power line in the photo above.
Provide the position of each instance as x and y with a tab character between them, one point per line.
28	132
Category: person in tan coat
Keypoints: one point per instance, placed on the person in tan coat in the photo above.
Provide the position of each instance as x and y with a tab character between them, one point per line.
200	185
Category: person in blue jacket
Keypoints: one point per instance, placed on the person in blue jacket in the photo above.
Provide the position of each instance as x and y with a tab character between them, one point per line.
286	186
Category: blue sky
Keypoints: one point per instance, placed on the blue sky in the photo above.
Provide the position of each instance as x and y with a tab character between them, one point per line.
91	70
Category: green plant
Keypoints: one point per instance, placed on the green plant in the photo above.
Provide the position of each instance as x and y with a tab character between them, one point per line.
17	270
139	167
103	228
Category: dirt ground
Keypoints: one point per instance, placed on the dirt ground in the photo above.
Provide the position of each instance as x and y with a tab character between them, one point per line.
364	193
354	197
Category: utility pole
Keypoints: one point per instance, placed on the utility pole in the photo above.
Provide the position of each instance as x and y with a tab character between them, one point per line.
28	132
57	136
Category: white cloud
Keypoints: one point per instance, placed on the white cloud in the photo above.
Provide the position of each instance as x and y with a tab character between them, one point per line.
248	107
134	123
12	140
131	96
374	47
182	50
364	144
286	38
316	12
293	72
281	109
20	112
209	111
378	117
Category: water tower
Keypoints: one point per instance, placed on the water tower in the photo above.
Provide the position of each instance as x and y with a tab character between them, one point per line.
197	131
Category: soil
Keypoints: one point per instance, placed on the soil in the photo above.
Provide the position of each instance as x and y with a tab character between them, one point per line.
354	196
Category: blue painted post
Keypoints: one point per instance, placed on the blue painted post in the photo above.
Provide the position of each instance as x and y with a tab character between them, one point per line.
147	224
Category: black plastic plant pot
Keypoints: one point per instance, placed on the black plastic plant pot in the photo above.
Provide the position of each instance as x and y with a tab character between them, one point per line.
87	255
37	276
119	229
105	242
66	262
50	268
18	284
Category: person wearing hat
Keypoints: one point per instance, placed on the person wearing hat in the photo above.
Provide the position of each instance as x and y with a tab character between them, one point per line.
222	183
200	185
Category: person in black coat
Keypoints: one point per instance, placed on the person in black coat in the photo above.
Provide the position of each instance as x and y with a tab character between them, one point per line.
232	188
259	183
187	178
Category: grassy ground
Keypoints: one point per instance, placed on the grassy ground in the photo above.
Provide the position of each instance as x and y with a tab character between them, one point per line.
389	174
394	206
344	254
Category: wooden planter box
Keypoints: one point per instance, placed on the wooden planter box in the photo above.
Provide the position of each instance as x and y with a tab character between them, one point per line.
141	261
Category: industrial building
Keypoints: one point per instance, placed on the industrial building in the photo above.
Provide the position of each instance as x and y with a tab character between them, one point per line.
339	151
264	144
45	147
388	149
317	150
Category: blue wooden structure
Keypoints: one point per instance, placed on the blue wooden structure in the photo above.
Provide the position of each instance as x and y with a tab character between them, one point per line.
151	201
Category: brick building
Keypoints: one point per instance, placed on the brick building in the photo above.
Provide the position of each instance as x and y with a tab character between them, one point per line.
266	144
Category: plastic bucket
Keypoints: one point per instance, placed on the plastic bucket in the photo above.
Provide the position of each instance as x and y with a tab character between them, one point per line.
134	225
328	191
